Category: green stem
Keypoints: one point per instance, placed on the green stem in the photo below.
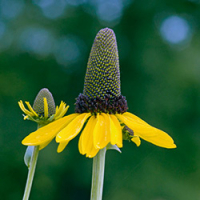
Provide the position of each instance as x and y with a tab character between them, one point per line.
98	175
31	173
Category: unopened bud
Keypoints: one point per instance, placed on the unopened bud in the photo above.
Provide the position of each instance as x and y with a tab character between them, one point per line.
38	105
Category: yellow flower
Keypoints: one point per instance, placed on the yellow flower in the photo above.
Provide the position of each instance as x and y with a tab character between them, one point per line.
43	111
101	111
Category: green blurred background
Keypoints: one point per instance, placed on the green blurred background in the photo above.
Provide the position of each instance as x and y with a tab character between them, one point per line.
46	43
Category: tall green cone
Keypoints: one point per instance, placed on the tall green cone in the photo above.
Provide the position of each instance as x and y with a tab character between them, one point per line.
102	91
103	75
38	105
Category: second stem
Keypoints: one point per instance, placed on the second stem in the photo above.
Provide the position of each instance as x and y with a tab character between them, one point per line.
31	173
98	175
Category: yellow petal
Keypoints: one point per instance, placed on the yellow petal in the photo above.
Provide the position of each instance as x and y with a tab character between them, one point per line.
62	145
46	113
60	108
25	117
42	146
48	132
134	117
30	108
147	132
86	138
162	140
21	105
80	146
138	126
86	145
116	131
102	131
136	140
92	153
61	111
74	127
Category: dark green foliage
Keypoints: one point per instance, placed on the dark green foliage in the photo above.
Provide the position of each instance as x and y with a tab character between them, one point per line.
161	83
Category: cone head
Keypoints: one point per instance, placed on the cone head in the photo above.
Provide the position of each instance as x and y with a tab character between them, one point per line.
103	76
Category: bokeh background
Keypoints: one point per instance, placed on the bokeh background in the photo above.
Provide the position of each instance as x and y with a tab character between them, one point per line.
46	43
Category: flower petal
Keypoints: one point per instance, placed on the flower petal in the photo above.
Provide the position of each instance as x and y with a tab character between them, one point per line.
102	131
116	131
22	107
136	140
136	125
86	145
46	112
147	132
62	145
60	108
31	109
92	153
74	127
42	146
80	146
61	111
134	117
48	132
86	138
162	140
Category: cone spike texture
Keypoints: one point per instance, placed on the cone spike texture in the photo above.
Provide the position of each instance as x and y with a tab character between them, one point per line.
38	104
103	76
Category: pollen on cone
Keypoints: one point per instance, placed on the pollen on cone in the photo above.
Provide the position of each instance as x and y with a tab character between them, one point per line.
38	105
103	75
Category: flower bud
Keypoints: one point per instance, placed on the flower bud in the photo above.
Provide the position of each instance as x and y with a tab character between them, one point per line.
39	106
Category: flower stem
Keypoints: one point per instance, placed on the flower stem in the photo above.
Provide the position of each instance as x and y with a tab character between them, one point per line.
98	175
31	173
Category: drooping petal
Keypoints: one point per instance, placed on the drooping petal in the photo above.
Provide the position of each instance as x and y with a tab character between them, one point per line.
86	145
161	139
116	131
48	132
136	140
62	145
80	146
73	128
42	146
134	117
93	152
102	131
147	132
136	125
86	138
